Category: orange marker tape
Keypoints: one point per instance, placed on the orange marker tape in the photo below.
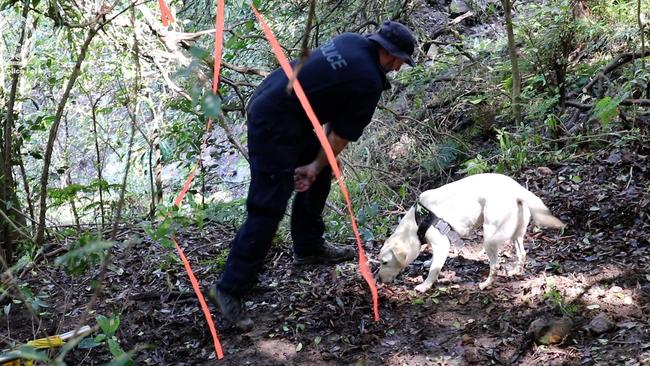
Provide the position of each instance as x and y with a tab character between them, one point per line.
218	46
300	93
186	187
165	13
204	305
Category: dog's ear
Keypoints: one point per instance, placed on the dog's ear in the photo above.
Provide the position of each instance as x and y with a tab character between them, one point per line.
400	256
386	257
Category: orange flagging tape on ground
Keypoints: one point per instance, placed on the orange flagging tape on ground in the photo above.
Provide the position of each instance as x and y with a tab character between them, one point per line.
165	13
204	305
218	46
186	187
363	263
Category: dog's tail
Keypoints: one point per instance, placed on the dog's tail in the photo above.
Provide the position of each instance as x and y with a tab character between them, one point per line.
538	210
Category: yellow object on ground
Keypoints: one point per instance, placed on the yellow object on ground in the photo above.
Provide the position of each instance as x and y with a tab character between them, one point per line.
49	342
19	363
13	358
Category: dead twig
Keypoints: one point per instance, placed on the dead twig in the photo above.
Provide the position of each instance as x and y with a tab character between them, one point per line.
617	62
304	47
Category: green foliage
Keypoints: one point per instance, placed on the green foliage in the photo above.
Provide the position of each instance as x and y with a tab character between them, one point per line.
161	232
338	227
26	352
614	11
417	75
365	195
220	261
551	33
437	293
35	122
60	196
475	165
7	4
367	216
227	213
445	155
181	137
506	84
199	213
552	122
170	262
513	150
78	192
539	105
181	104
485	11
558	300
35	302
484	47
606	110
433	298
124	359
109	327
82	254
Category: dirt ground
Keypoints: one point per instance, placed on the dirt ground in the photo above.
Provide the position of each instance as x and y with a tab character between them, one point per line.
321	315
597	268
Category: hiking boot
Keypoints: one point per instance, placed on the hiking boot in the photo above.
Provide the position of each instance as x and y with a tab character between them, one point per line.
231	308
326	254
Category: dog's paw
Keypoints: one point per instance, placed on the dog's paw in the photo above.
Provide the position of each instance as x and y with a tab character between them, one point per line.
423	287
485	284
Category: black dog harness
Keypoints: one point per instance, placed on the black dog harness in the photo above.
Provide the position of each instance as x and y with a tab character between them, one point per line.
425	218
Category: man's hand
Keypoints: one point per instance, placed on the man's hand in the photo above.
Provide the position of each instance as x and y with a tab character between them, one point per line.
305	175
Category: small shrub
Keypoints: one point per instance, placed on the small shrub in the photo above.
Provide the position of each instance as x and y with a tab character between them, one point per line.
558	300
476	165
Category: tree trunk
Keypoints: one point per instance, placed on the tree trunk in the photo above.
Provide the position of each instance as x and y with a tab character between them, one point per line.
642	31
73	205
152	205
580	9
28	193
516	79
560	76
159	182
66	178
47	159
155	169
98	163
120	202
132	114
7	184
7	245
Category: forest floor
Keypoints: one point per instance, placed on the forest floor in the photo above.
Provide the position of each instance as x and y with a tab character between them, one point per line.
597	268
321	315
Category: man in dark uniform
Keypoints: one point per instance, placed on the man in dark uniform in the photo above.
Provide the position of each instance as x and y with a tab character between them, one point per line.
343	81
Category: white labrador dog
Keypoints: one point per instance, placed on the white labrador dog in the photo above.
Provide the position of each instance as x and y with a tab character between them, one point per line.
495	201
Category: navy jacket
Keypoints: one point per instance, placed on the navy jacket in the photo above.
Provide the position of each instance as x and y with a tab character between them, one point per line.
343	82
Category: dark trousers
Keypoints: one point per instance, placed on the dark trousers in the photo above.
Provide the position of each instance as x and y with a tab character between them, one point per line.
268	195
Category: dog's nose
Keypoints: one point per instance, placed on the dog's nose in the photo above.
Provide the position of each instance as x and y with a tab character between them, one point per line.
375	273
374	268
373	264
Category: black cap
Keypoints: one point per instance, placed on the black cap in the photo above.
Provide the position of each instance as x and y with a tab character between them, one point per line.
396	39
